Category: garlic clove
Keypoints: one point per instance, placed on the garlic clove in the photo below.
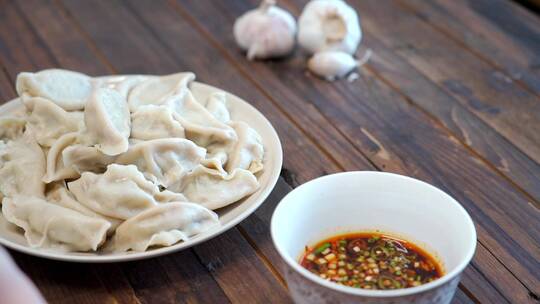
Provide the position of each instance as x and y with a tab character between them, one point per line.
329	25
265	32
331	65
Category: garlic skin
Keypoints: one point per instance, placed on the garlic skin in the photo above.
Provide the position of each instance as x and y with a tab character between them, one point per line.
329	25
331	65
265	32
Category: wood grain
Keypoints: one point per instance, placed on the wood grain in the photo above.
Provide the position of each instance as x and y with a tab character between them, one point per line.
7	90
500	32
62	282
357	109
482	89
446	110
437	106
178	278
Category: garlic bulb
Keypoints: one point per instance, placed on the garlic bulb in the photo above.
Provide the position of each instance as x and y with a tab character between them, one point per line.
329	25
265	32
334	64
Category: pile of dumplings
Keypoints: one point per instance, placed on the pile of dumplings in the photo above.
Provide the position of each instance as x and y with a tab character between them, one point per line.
121	163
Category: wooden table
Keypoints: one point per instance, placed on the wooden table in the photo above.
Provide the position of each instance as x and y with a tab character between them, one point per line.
451	96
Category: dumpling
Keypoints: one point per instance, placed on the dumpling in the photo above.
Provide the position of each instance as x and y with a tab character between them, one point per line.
61	196
164	161
156	90
121	192
214	190
153	122
163	225
67	89
248	151
82	158
125	86
217	106
49	225
107	119
22	165
55	164
200	125
217	154
47	121
11	127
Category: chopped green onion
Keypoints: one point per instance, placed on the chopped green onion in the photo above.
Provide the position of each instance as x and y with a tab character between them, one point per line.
322	248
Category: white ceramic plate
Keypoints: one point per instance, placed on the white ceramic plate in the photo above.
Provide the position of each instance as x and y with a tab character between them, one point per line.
229	216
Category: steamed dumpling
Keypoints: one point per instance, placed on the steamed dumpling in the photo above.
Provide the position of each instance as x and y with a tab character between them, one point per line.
163	225
164	161
136	158
60	195
11	127
125	86
200	125
214	190
22	165
50	225
67	89
82	158
153	122
121	192
47	121
56	170
107	121
217	106
248	151
157	89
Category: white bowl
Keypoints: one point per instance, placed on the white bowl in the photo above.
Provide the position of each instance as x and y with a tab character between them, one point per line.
229	216
369	201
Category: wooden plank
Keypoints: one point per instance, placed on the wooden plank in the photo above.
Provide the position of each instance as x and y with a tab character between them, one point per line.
446	110
499	32
232	262
482	89
68	47
377	120
115	282
7	89
193	284
176	278
61	282
461	297
22	51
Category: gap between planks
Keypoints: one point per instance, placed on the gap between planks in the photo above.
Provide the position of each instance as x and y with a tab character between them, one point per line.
453	136
262	256
415	13
90	42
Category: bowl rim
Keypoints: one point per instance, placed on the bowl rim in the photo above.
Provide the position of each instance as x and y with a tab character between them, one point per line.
447	277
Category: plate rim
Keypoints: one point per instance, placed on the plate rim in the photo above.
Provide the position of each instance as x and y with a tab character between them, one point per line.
132	256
